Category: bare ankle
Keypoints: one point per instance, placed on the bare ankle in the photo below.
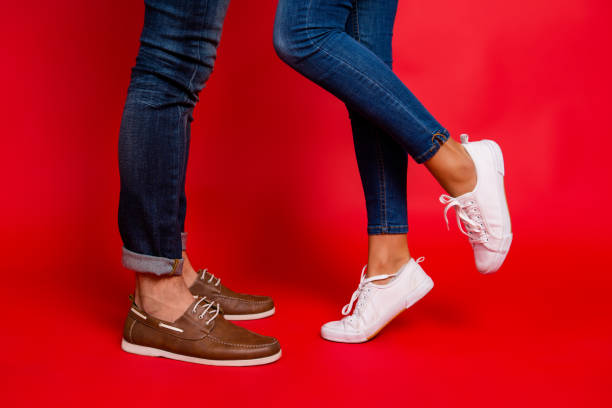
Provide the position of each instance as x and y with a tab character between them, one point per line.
387	266
463	179
387	253
454	169
163	297
189	273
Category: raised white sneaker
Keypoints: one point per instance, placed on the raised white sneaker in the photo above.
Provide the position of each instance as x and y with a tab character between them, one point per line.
378	304
483	212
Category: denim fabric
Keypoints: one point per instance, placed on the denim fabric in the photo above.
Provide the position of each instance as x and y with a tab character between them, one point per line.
345	47
177	52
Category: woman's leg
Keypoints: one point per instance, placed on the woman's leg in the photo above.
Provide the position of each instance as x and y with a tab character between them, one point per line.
310	36
381	160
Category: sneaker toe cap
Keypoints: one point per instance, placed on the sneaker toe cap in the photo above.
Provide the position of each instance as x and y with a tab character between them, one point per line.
488	261
339	330
335	326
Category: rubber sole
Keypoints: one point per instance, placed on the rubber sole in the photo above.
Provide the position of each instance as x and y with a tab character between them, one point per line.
253	316
417	294
153	352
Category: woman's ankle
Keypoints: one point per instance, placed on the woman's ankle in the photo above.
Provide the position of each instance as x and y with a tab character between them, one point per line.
387	253
453	168
386	266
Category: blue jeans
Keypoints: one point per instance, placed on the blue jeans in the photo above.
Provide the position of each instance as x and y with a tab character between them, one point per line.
345	47
178	47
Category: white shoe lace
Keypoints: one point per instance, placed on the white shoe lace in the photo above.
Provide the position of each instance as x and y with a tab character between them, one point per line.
468	217
205	271
210	308
360	290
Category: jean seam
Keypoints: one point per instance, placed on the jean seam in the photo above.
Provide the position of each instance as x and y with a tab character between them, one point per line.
357	21
195	71
380	229
437	142
178	167
308	24
382	190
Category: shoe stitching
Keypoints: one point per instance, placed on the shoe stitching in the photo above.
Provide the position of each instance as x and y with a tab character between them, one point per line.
209	336
241	300
215	339
132	328
153	324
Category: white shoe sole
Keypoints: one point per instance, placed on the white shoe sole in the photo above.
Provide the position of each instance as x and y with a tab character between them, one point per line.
253	316
417	294
153	352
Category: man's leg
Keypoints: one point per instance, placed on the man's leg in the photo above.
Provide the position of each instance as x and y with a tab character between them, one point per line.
176	56
237	306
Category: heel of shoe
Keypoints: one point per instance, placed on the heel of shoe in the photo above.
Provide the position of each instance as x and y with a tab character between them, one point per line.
420	291
136	349
498	157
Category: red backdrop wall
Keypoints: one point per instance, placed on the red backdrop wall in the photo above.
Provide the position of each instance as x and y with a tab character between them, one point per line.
275	207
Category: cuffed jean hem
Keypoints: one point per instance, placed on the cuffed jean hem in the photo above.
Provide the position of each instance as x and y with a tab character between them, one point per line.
184	240
437	140
387	229
156	265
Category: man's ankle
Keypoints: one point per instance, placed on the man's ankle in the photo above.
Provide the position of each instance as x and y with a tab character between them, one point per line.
165	298
189	273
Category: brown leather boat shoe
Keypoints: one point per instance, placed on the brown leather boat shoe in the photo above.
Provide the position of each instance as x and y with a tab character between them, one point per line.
201	335
235	306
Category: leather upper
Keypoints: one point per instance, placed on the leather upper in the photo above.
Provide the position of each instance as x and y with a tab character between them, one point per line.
192	336
232	303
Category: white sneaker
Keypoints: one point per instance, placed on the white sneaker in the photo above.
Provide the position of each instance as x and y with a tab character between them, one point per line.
484	211
378	304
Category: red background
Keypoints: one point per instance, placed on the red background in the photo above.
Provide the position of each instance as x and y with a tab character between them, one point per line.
275	207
